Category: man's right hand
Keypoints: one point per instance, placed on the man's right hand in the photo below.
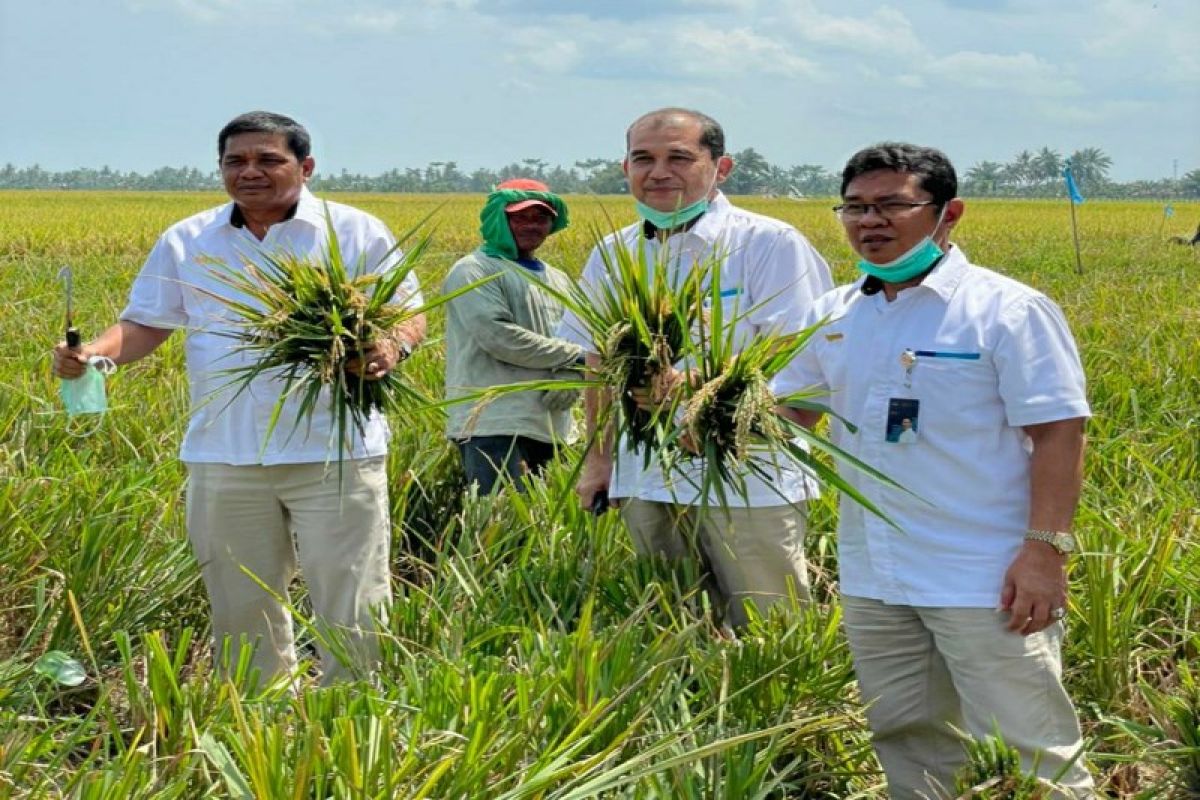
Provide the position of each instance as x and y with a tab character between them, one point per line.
595	477
68	363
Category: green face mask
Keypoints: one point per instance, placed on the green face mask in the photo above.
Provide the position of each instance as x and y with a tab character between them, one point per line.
668	220
920	258
85	394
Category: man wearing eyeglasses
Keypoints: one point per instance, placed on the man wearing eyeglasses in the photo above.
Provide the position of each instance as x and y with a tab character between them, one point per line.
953	607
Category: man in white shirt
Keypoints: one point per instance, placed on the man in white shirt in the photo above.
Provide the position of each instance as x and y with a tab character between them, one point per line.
769	275
954	615
247	496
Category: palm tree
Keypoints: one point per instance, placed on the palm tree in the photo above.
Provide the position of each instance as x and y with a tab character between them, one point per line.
985	176
750	173
813	180
1189	184
1021	170
1090	166
1047	165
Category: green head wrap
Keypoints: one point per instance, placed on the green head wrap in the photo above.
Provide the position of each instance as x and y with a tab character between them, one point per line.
497	238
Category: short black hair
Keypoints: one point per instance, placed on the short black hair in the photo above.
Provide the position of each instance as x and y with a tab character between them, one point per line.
298	140
712	135
937	173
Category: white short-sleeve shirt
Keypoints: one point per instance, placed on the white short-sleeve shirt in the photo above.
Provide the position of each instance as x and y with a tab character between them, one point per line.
169	292
769	277
986	356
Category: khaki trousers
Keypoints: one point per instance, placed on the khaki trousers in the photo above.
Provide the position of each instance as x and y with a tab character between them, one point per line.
267	519
925	669
753	554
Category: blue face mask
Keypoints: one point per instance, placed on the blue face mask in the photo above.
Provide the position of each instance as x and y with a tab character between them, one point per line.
85	394
919	258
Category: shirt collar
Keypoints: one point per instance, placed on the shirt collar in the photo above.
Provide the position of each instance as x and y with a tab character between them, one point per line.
948	274
306	209
710	226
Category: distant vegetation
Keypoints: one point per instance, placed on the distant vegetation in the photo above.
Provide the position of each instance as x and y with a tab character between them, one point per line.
1028	174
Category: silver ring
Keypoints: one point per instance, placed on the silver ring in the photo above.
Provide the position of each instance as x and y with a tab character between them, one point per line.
1058	613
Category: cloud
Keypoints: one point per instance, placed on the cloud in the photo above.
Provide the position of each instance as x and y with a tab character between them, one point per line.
736	6
208	12
545	49
518	86
1162	34
884	32
316	16
713	51
622	10
1019	73
990	6
687	50
374	20
1076	113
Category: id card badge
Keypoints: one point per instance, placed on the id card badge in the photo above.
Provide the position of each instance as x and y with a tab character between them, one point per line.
903	421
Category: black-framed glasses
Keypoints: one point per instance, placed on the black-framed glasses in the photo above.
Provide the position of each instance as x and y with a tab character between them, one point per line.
889	209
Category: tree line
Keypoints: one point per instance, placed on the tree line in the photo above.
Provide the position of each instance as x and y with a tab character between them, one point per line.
1029	174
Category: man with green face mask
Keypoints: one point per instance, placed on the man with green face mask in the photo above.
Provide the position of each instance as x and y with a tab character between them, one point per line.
501	332
750	536
966	387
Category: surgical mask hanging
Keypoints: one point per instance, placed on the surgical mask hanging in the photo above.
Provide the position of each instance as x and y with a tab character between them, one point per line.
85	394
919	258
669	220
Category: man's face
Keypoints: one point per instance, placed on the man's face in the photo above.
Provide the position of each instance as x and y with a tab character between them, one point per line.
880	240
261	174
530	227
668	168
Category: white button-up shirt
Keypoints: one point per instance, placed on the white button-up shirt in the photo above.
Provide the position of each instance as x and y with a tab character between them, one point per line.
769	276
169	293
987	355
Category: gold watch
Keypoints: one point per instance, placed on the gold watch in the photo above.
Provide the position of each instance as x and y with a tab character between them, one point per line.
1062	541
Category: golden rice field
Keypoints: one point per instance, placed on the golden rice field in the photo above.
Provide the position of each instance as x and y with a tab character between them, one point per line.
528	654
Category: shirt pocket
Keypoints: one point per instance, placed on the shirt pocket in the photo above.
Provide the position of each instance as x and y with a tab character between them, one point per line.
958	391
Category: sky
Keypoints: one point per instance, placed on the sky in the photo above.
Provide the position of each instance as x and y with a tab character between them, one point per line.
139	84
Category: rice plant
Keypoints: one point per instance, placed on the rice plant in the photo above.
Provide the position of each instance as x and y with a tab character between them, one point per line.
733	422
640	317
528	653
304	322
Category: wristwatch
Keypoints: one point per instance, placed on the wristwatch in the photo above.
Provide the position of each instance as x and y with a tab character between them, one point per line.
1062	541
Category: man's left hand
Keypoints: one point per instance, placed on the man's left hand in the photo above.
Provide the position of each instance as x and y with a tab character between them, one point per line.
1035	588
380	359
662	393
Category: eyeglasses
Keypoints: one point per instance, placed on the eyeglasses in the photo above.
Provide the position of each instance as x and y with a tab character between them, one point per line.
889	209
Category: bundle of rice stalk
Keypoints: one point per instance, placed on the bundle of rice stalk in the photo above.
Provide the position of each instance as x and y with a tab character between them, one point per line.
303	320
729	416
644	319
640	321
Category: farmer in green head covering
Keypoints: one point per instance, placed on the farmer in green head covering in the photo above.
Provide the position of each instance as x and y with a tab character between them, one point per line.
518	216
502	332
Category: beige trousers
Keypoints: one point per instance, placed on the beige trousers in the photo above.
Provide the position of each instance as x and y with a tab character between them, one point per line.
923	670
753	554
267	519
